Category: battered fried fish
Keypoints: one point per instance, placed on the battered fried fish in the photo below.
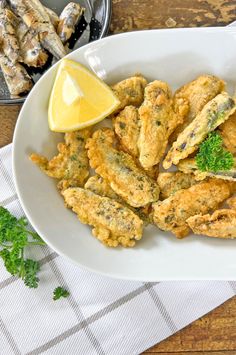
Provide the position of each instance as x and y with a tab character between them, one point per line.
99	186
69	18
9	42
172	213
215	112
120	171
71	165
221	224
157	122
113	223
17	79
228	133
130	91
231	202
169	183
197	93
189	166
126	125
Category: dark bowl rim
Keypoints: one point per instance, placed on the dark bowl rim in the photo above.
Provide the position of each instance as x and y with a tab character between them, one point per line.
105	29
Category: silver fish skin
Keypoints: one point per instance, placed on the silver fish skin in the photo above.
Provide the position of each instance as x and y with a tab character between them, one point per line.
17	78
8	38
36	17
54	18
69	18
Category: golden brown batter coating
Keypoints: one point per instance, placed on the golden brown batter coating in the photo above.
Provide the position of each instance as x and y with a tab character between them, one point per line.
228	133
157	121
71	165
197	93
126	126
221	224
171	182
130	91
215	112
172	213
120	171
113	223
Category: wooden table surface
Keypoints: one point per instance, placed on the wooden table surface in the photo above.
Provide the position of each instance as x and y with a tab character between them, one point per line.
216	332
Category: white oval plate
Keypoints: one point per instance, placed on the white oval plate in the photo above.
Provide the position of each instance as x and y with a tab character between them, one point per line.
175	56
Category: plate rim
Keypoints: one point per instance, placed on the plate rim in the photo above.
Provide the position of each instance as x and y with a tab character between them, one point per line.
116	275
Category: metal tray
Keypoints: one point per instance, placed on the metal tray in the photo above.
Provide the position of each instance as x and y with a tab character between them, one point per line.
98	13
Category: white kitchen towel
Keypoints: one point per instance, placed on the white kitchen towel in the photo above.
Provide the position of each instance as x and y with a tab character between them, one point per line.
101	315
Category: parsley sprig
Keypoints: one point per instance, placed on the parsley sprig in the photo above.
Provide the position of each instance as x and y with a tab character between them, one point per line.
14	238
212	156
60	292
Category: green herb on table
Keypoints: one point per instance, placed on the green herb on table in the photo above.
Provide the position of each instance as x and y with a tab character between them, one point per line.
212	156
14	238
60	292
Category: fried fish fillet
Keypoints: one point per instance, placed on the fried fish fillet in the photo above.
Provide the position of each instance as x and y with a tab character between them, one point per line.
171	182
172	213
228	133
189	166
126	126
215	112
35	16
130	91
17	79
197	93
71	165
157	122
8	38
231	202
120	171
99	186
113	223
221	224
69	18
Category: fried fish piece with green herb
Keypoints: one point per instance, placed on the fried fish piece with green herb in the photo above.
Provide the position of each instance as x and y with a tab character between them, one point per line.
99	186
120	170
221	224
171	182
130	91
197	93
113	224
126	126
214	113
71	165
172	213
157	121
189	166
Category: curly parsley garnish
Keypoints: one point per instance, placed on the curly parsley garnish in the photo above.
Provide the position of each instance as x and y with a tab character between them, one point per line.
212	156
60	292
14	238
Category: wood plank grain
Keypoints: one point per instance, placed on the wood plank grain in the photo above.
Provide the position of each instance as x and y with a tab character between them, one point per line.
145	14
214	332
8	117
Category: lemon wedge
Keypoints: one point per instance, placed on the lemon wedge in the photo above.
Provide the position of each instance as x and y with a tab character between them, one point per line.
79	98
